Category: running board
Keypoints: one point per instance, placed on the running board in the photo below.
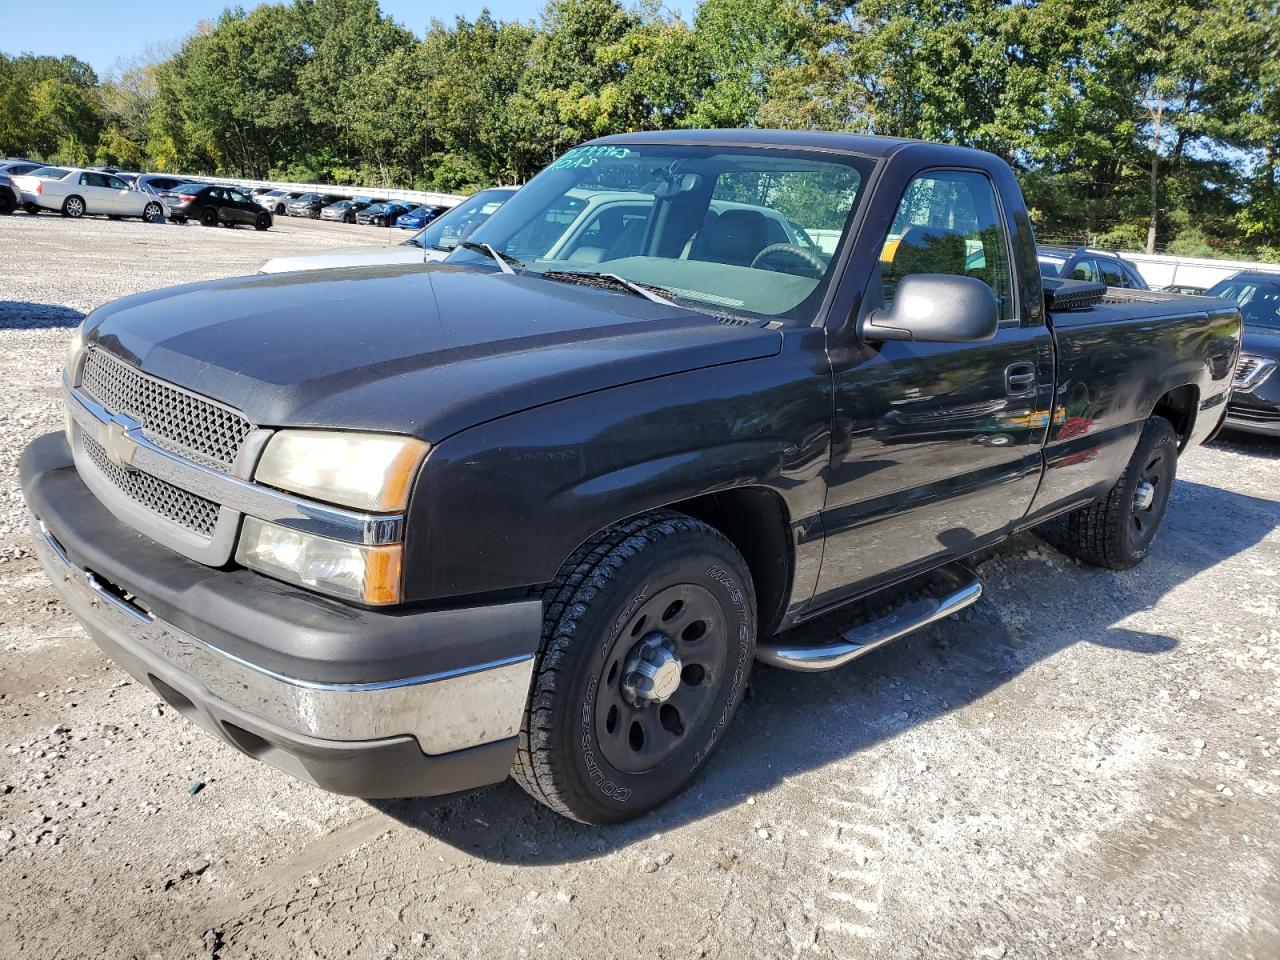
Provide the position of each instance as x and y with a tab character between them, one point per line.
961	589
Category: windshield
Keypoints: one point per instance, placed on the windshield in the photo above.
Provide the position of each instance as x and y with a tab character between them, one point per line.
444	232
745	231
1258	299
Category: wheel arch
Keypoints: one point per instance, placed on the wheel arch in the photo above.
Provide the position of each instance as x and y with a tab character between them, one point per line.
1179	406
755	520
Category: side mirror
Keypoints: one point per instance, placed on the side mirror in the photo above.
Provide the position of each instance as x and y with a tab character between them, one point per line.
938	308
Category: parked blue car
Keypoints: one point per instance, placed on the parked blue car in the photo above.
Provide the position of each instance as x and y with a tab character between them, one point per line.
418	217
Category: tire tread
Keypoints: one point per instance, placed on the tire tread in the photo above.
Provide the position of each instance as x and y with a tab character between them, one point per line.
1097	533
565	599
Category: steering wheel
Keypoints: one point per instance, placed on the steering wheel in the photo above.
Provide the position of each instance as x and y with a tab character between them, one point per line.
787	256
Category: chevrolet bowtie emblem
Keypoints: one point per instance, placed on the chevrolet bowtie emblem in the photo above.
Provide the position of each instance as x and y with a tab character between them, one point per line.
120	449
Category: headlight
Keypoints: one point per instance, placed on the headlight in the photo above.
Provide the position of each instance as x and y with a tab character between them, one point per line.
73	348
367	471
353	572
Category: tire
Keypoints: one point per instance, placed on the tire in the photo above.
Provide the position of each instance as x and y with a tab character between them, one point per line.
263	222
73	207
7	202
31	208
153	213
209	217
179	219
1117	532
599	750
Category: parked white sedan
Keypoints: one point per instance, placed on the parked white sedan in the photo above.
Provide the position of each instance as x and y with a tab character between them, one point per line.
74	192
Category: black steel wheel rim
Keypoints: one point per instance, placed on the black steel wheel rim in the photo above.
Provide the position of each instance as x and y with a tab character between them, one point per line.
1145	519
637	736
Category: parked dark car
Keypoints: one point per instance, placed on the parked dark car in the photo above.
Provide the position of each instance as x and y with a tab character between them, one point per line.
1083	263
419	217
310	205
382	214
212	204
1255	394
16	168
418	527
163	186
276	202
10	195
344	210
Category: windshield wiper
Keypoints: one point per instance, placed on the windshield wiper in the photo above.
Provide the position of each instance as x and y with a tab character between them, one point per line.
503	260
612	279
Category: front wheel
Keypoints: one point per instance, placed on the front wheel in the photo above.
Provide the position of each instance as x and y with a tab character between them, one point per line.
647	643
263	222
153	213
1117	531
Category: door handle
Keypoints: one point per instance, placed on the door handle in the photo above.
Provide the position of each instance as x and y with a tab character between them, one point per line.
1019	378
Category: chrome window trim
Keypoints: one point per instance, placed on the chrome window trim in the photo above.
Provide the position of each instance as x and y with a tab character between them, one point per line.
231	492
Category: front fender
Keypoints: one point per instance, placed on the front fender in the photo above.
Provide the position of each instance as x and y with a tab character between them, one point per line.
501	505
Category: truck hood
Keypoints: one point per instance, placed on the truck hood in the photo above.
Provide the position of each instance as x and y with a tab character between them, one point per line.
1262	341
424	350
365	255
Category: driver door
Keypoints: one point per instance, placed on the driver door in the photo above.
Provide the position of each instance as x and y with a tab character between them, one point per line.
935	446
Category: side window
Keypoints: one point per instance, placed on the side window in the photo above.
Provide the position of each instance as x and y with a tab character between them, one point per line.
1111	274
115	183
1132	279
1086	270
948	222
93	180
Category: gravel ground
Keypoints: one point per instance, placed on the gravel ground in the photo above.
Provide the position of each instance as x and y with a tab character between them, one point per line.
1082	764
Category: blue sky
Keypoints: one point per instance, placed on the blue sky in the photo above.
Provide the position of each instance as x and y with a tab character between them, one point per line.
101	32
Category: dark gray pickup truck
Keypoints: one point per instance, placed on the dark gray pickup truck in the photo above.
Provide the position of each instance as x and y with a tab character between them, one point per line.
536	509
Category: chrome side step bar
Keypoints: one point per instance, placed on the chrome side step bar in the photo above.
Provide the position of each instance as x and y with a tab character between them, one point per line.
962	589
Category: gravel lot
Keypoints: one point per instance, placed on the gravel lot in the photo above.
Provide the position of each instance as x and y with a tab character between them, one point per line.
1083	764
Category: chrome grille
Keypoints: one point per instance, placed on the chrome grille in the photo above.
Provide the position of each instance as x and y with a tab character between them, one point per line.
1251	371
183	422
173	503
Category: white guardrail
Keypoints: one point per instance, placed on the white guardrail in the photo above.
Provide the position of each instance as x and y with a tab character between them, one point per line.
1165	270
382	193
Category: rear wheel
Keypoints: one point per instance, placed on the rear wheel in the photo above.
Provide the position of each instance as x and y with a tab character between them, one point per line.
32	208
1118	530
648	640
8	203
73	207
209	217
263	221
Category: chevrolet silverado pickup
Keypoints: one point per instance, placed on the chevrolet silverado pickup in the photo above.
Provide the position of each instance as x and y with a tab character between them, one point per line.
536	509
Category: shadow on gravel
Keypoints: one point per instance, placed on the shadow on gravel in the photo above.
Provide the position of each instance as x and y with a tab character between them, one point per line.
24	315
1251	444
792	723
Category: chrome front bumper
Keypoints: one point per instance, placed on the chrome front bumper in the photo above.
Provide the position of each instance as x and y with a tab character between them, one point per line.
444	712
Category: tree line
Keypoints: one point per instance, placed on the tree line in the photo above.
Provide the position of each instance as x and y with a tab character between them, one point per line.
1131	123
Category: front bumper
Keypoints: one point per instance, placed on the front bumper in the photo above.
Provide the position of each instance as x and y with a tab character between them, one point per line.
323	691
1249	421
